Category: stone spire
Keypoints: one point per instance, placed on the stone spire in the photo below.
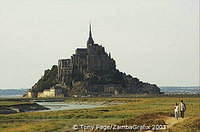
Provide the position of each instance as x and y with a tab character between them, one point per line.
90	39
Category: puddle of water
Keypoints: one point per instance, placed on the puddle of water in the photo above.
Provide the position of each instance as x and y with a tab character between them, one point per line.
55	106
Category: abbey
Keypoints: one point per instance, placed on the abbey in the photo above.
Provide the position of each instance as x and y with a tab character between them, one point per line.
91	71
85	62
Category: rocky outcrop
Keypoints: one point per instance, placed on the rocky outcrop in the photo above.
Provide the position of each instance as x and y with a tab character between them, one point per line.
48	80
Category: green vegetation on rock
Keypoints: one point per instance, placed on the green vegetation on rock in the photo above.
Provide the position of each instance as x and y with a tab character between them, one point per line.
48	80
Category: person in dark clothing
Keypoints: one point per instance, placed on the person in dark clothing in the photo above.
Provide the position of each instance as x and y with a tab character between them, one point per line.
182	107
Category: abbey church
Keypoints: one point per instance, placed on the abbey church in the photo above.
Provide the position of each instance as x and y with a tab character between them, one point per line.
85	61
91	71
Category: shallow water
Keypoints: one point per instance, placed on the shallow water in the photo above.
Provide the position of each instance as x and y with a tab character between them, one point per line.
55	106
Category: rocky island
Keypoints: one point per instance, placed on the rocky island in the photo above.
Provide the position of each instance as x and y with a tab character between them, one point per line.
90	71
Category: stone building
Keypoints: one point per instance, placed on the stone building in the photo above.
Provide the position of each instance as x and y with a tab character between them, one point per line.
52	92
65	69
85	61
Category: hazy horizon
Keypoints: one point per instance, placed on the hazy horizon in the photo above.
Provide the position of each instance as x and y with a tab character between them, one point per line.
159	86
155	41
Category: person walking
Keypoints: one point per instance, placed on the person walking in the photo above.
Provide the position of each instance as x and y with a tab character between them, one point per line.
182	108
176	111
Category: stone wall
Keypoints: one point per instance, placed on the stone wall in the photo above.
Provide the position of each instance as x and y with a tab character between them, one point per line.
98	59
52	92
65	69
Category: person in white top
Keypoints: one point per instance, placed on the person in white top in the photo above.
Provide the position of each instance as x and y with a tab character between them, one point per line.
176	108
182	108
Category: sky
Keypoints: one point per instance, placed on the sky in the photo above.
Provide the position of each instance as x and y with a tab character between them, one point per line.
156	41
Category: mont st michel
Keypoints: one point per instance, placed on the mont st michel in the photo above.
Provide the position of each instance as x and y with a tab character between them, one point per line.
133	68
91	71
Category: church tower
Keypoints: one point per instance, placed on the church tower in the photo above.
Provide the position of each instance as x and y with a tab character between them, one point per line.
90	39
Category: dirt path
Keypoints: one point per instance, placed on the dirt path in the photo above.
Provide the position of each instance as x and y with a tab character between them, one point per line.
170	121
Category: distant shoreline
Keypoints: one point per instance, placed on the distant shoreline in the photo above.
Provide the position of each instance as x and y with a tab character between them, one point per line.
168	90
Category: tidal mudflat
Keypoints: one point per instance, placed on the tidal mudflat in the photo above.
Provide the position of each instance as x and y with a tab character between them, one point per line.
132	111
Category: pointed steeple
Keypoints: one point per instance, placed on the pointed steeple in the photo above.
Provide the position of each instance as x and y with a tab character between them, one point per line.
90	39
90	34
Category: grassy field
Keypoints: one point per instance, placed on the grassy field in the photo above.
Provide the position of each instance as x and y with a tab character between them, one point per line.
129	111
6	103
